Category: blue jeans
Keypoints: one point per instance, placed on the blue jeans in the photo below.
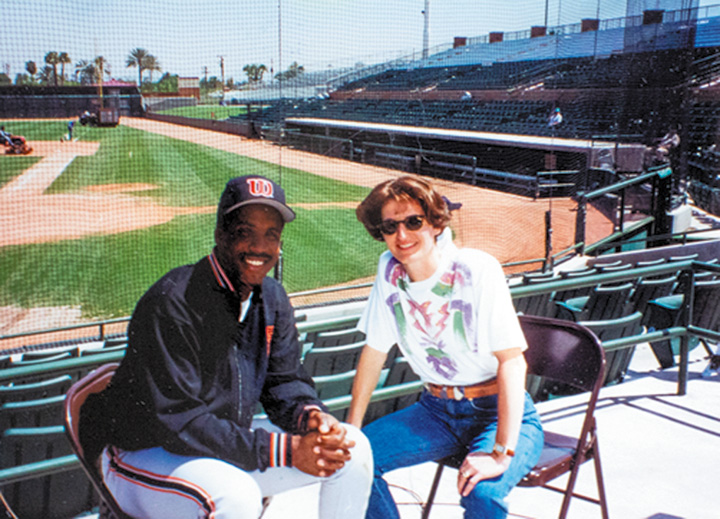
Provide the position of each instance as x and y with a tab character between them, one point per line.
434	428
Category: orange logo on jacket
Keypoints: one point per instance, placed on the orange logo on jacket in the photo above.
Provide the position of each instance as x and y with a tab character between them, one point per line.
268	337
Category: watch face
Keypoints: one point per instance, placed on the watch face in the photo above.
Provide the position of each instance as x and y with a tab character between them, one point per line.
501	449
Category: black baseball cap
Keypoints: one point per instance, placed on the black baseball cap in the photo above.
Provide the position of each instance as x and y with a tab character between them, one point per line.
254	189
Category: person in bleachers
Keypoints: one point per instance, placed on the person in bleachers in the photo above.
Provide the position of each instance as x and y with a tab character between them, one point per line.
450	312
174	430
666	144
556	118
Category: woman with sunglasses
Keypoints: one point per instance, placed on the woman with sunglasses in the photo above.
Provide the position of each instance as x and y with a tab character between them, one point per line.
450	312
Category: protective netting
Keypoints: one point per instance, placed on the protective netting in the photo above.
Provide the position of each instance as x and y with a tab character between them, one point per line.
327	98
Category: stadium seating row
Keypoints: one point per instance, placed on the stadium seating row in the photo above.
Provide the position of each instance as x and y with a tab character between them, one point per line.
660	68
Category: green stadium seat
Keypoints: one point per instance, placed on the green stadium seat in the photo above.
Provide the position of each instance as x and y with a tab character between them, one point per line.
617	361
338	337
331	386
665	312
33	358
32	413
400	372
35	390
59	495
332	359
649	289
604	302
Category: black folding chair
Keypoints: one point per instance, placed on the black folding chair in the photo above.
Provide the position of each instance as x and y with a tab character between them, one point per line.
571	354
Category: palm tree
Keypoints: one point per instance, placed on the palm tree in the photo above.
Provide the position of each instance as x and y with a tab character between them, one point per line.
137	58
52	59
46	75
151	64
85	72
31	68
254	72
88	72
292	72
102	68
63	59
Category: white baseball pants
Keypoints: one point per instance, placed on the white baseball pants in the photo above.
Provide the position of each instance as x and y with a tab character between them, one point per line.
154	483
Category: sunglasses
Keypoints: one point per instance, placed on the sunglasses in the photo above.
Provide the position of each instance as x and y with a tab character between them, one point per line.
411	223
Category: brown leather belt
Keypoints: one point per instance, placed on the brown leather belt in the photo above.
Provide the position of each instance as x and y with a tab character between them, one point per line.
459	392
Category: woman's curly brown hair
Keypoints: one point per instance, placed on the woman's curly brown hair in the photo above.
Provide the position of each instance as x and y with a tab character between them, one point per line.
403	189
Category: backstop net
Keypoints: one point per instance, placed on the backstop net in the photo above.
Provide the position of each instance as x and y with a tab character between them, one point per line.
125	121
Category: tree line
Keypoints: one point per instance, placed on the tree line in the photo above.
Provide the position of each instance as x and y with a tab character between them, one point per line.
85	72
56	72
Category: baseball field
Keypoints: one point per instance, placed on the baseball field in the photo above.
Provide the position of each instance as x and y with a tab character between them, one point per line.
88	225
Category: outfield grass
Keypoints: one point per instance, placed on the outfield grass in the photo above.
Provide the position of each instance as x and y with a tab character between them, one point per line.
105	275
206	111
39	131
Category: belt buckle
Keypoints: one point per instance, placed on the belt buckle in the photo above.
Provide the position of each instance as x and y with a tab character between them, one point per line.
458	393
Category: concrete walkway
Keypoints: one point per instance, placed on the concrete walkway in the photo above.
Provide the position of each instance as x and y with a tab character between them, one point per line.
660	454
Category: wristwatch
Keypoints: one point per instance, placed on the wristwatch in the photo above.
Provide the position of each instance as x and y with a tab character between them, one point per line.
502	449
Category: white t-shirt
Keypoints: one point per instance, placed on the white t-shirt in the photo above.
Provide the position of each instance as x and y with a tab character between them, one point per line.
448	325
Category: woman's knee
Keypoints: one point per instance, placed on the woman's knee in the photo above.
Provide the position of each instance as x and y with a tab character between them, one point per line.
487	500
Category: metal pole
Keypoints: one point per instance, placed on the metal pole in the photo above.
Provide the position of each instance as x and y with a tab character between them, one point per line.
548	241
580	221
426	29
688	278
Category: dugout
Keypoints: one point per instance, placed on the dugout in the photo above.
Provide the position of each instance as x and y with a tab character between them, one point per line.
508	154
67	101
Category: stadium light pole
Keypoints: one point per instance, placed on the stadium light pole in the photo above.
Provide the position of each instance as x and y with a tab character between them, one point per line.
426	29
222	78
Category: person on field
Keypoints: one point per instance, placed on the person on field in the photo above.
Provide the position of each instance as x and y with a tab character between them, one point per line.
207	343
70	126
449	310
5	137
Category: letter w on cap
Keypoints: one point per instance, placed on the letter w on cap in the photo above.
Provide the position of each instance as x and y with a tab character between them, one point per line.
260	187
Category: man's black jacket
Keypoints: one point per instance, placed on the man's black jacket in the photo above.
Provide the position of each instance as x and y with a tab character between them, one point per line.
193	375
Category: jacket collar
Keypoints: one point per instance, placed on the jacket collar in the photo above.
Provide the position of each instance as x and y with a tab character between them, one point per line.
221	277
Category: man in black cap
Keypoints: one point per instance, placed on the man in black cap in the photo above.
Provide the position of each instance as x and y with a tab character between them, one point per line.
174	430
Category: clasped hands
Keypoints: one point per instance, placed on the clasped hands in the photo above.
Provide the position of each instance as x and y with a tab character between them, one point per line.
324	449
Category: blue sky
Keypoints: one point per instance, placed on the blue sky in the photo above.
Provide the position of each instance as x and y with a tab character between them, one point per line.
187	36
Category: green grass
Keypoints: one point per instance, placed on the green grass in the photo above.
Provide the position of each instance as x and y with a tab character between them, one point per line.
105	275
13	165
335	242
38	131
206	111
